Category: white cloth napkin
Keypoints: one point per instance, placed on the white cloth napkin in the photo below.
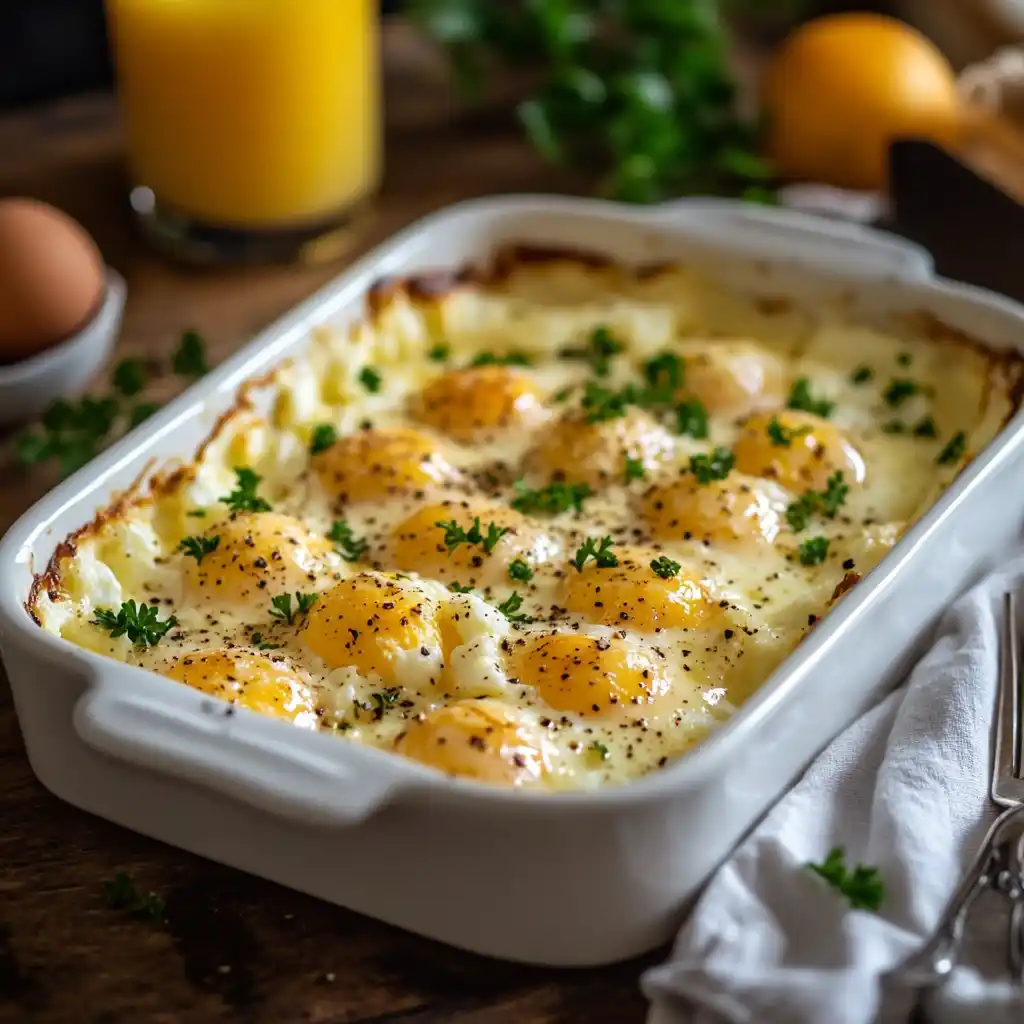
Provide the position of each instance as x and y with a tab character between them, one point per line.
905	789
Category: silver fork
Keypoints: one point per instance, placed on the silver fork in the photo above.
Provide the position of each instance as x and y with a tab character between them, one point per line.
999	864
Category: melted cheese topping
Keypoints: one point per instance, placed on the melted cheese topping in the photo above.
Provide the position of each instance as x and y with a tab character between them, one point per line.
573	519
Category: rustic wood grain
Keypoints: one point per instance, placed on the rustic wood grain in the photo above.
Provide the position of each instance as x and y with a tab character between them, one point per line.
236	948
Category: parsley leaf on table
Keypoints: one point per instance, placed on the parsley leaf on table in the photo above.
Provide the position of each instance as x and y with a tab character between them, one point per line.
862	887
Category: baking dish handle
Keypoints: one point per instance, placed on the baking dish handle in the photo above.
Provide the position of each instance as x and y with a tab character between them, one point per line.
810	238
243	760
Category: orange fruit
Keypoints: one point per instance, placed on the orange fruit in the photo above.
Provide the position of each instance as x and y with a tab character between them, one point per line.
842	87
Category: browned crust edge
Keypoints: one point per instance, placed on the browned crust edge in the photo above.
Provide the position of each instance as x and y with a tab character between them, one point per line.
434	287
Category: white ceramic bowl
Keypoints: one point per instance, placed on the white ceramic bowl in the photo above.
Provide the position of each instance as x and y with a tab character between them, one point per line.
28	387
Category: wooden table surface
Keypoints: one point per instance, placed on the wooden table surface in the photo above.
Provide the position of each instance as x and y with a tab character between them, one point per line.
236	948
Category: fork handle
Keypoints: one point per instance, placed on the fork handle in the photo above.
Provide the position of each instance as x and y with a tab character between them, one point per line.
933	963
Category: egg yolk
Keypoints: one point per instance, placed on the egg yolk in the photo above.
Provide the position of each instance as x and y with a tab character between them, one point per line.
632	595
249	680
480	402
377	464
475	739
595	453
732	378
721	511
418	544
371	624
588	675
257	555
799	450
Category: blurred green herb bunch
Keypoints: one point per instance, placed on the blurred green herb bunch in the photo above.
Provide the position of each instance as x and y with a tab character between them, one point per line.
638	92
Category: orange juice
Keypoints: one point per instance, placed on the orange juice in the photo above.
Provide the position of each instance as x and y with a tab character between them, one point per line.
250	113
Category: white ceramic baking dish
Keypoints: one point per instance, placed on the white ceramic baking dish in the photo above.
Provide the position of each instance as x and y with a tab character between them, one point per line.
566	879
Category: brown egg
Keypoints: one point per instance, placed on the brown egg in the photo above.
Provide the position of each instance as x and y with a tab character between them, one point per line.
51	278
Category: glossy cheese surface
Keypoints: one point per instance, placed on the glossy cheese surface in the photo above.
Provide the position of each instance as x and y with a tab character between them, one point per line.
543	530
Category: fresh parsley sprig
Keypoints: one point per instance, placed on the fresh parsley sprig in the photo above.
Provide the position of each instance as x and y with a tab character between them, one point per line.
692	419
141	623
510	609
613	97
281	606
599	550
801	399
555	498
520	571
827	502
199	547
507	359
814	551
121	894
72	433
954	449
244	497
862	887
634	470
600	348
346	543
783	437
716	466
664	567
324	436
456	535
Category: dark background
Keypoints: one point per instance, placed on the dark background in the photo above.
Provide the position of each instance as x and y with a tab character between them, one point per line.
50	48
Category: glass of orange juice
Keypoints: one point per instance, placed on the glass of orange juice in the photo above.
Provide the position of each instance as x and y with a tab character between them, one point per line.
252	127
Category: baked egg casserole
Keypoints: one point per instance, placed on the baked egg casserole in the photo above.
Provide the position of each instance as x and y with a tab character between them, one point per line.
543	524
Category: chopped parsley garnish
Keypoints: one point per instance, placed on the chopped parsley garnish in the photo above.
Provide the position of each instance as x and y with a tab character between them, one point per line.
899	390
862	375
716	466
692	419
345	542
599	550
189	360
926	428
129	377
561	395
323	437
556	497
139	622
121	894
454	535
602	404
508	359
371	379
282	606
598	751
665	567
72	434
520	571
439	353
141	412
863	886
954	450
783	437
800	398
510	609
601	346
904	359
664	375
384	700
814	551
457	588
199	547
828	502
244	498
197	513
261	644
634	469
